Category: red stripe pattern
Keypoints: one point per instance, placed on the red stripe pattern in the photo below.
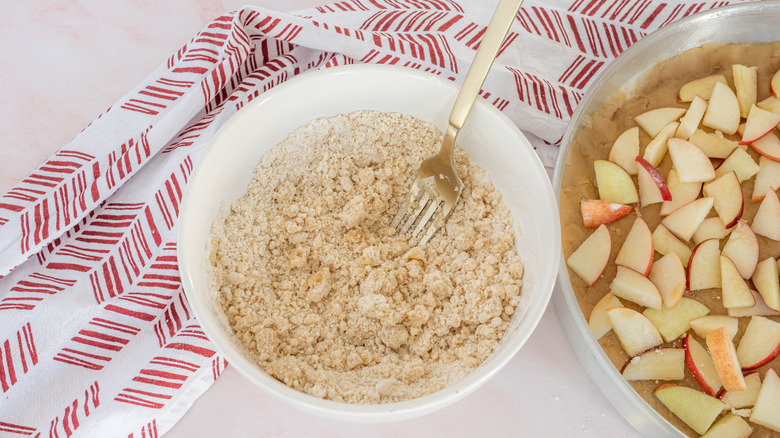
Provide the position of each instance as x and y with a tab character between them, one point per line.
90	294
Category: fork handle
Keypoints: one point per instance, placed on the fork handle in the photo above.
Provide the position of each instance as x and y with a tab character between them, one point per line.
496	31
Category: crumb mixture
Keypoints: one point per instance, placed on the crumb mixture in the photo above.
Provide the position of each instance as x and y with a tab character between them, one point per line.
327	300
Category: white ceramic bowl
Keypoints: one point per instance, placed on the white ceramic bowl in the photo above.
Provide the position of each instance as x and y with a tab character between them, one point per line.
489	137
747	22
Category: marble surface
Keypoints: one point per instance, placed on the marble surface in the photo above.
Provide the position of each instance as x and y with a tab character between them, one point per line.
65	62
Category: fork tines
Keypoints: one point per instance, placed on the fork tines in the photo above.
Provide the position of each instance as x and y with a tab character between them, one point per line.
423	202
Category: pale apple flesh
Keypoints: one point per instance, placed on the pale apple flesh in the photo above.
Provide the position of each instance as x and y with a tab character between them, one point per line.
637	250
701	366
695	408
660	364
591	257
766	411
760	344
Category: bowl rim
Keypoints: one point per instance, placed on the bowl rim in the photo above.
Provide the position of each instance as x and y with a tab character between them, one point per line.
613	386
370	412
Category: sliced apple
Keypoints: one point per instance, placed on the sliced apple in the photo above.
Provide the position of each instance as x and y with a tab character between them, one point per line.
746	87
695	408
724	356
668	276
652	187
759	123
760	344
653	121
713	144
767	178
684	221
591	257
665	242
758	309
699	87
774	84
768	146
746	398
727	194
690	121
710	228
739	161
599	321
656	149
596	212
730	426
704	266
699	362
637	250
723	110
625	149
765	279
635	287
681	193
742	249
771	103
766	411
691	163
673	323
707	323
660	364
634	331
735	292
614	183
767	219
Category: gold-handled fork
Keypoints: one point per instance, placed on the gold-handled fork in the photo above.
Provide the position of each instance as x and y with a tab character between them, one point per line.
437	187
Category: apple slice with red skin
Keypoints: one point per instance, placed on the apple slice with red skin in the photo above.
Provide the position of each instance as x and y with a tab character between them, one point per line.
768	146
746	398
759	123
704	266
745	87
652	187
634	331
742	248
690	121
668	276
596	212
625	149
695	408
767	178
760	344
710	228
729	426
653	121
699	87
723	110
684	221
637	250
713	144
591	257
758	309
765	279
739	161
660	364
674	322
774	84
599	321
681	193
700	363
724	356
635	287
665	242
734	290
614	183
727	194
691	163
766	411
707	323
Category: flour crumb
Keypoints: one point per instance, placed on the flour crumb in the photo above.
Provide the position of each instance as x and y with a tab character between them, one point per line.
327	300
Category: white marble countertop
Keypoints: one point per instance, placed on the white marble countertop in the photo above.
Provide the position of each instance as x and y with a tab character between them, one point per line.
66	62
